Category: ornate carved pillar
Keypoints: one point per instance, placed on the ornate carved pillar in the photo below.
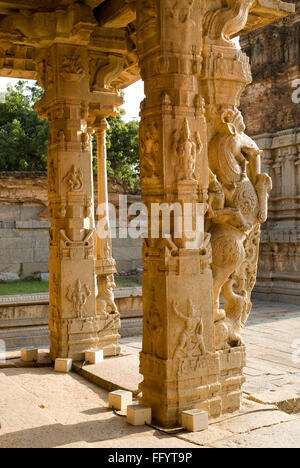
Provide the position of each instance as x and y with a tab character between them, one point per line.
178	342
194	150
77	100
74	324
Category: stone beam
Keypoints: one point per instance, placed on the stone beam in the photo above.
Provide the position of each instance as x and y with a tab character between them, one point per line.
264	12
116	13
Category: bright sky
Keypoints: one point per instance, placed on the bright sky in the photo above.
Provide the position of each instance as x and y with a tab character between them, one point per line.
133	95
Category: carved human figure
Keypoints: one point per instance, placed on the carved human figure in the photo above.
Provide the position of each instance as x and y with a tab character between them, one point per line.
108	285
187	149
233	221
78	296
191	342
150	153
74	179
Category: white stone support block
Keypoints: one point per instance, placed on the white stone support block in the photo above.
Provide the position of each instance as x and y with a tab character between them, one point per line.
63	365
94	357
194	420
139	415
120	399
29	354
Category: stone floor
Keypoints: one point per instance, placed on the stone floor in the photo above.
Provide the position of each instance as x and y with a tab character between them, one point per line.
39	408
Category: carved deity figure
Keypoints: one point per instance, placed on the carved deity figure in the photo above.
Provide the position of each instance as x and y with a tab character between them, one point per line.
238	201
150	153
78	296
74	179
187	149
191	342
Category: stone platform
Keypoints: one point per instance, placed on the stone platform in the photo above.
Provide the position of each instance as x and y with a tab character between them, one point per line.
24	318
271	375
49	410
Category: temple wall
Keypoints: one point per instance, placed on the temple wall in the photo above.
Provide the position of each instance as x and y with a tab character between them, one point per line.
271	106
24	226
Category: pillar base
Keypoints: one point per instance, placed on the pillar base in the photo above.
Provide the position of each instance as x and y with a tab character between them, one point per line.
211	383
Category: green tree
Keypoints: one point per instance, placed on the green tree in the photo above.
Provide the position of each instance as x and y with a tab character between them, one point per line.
23	135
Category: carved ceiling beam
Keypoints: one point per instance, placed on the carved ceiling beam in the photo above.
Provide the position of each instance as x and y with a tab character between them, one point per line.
264	12
116	13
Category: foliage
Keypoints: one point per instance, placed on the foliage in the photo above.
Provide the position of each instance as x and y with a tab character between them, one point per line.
122	150
23	135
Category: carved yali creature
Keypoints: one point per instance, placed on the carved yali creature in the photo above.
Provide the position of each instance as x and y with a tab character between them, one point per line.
238	200
191	342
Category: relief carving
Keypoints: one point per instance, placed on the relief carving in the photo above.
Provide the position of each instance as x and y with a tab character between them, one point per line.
74	179
187	150
78	296
238	197
72	69
105	300
191	341
150	164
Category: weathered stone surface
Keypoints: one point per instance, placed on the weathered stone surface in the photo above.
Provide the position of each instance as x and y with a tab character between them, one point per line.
272	116
9	277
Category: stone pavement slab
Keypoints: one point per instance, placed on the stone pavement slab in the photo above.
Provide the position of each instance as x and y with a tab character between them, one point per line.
118	373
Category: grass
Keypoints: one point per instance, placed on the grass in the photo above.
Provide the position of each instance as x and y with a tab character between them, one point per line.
126	282
33	287
24	287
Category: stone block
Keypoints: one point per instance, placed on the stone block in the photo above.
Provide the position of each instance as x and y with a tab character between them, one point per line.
29	354
9	277
194	420
139	415
63	365
94	357
120	400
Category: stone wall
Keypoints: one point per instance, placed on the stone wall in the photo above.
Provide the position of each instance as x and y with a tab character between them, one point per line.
272	116
24	225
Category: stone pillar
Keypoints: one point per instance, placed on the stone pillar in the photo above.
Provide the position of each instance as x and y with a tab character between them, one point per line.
77	322
194	150
178	342
74	325
105	265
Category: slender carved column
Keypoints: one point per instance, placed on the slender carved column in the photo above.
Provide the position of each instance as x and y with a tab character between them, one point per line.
105	265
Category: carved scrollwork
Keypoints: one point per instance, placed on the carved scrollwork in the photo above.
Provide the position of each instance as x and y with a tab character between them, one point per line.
104	71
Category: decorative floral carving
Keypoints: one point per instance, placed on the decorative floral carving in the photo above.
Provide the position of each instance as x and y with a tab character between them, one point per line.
72	69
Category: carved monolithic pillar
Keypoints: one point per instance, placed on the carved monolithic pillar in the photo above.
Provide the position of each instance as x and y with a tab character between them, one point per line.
194	150
77	100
